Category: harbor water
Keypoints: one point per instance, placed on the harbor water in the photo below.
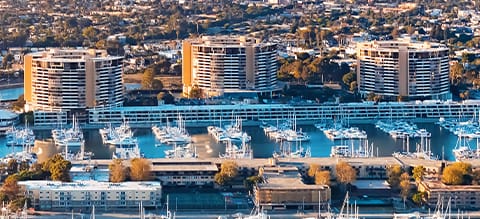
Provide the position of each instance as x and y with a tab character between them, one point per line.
442	142
10	93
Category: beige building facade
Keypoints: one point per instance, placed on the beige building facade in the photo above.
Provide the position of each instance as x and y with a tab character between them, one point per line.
459	196
418	70
55	195
283	188
68	80
224	64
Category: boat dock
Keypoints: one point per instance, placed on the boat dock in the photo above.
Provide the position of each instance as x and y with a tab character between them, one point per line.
204	115
301	163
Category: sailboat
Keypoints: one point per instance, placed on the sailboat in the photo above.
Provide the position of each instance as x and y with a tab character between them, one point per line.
257	214
24	211
168	214
351	211
92	216
72	137
462	150
233	152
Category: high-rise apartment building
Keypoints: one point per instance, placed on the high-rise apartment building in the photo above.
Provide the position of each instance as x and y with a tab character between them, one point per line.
227	64
71	80
403	68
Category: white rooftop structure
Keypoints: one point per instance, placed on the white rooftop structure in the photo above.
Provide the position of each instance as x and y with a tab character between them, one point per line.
89	185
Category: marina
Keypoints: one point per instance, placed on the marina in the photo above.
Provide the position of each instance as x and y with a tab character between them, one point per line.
442	142
20	137
71	138
229	133
402	129
172	135
286	131
121	136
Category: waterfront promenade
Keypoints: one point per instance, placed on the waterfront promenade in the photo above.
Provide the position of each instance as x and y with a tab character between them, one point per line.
305	113
258	162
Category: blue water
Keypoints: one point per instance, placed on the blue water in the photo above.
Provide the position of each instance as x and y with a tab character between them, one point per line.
263	147
14	93
11	93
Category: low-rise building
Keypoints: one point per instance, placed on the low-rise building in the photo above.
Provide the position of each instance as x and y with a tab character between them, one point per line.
54	195
183	173
284	188
372	168
459	196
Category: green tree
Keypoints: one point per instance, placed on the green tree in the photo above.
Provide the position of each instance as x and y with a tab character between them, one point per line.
312	170
393	173
353	86
196	93
220	179
147	79
417	198
12	166
405	186
140	169
345	173
60	171
458	173
349	78
418	173
456	73
118	171
252	181
157	84
19	104
322	177
58	168
10	187
6	61
229	168
228	171
90	33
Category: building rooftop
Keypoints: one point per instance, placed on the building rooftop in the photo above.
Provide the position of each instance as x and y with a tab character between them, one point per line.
45	185
397	44
438	185
280	178
184	167
371	184
327	161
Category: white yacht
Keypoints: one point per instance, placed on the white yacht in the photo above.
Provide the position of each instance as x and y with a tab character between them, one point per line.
121	136
234	152
127	153
20	137
340	151
71	138
178	151
172	134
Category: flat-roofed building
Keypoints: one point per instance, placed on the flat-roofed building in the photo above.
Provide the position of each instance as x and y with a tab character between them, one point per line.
55	195
228	64
403	68
460	196
184	172
72	80
283	187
